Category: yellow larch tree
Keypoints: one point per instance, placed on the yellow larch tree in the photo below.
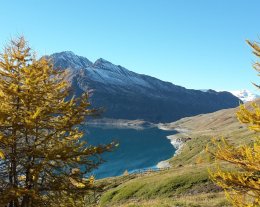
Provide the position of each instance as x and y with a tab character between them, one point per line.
242	181
42	153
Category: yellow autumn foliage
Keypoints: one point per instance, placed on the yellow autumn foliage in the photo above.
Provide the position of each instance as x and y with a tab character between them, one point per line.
40	141
242	181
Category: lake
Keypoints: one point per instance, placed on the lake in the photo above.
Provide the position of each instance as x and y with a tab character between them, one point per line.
138	149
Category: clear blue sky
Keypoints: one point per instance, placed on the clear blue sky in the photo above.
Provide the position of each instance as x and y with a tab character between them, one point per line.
198	44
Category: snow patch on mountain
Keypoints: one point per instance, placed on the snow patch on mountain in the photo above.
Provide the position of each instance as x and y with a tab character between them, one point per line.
245	95
102	71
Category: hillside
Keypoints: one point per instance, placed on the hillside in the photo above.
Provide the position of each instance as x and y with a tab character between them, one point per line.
128	95
186	183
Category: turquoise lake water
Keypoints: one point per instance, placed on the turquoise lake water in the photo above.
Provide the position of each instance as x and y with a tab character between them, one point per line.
138	149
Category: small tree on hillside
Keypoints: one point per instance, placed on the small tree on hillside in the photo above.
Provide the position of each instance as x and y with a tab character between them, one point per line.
42	153
242	183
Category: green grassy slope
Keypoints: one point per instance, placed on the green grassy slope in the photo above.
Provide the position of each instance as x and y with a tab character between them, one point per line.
163	188
187	182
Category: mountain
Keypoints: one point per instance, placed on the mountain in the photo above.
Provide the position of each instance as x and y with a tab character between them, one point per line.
245	95
129	95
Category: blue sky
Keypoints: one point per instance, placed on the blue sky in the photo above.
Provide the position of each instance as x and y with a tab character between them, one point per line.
198	44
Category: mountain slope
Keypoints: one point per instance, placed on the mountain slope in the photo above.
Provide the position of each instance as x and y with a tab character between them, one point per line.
128	95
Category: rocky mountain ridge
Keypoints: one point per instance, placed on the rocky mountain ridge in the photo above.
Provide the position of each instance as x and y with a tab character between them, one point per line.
128	95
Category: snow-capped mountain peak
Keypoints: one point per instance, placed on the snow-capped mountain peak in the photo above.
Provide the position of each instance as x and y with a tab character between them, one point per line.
68	59
245	95
102	62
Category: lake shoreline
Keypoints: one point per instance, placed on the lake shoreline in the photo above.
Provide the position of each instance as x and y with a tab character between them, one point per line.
177	140
121	123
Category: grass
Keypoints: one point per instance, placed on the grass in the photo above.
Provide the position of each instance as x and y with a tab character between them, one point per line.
201	200
187	180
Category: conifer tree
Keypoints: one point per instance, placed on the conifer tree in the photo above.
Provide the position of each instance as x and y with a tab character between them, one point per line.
242	182
42	153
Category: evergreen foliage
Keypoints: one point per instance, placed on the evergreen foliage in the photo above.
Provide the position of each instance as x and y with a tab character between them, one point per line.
42	154
242	183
